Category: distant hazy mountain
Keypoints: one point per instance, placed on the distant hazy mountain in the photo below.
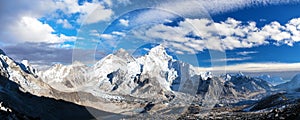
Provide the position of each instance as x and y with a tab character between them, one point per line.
272	80
292	85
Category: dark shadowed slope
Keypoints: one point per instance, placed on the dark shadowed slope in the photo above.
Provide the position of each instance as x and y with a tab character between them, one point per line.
29	106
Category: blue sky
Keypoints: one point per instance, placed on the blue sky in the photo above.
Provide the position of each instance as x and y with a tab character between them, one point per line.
240	34
262	15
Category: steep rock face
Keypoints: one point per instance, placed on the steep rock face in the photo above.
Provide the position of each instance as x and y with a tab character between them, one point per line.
26	66
116	72
183	72
212	91
155	63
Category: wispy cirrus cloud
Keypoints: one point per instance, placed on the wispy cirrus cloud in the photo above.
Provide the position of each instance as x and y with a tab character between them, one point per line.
204	7
231	59
245	53
256	67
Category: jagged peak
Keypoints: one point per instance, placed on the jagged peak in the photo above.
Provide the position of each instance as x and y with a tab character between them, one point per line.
240	74
206	75
159	51
122	53
26	66
25	62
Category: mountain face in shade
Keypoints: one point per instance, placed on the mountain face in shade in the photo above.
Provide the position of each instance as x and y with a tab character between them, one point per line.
272	80
2	52
292	85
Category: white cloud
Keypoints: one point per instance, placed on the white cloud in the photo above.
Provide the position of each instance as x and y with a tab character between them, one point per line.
96	15
221	36
107	36
152	15
113	35
293	27
65	23
205	7
118	33
183	8
22	24
89	12
29	29
124	22
256	67
94	33
230	59
245	53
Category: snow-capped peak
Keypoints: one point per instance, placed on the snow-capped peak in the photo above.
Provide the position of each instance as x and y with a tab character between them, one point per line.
206	75
122	53
25	62
227	77
240	74
156	58
26	66
159	51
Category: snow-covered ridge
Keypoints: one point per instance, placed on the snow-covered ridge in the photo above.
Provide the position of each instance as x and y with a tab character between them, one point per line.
23	74
121	73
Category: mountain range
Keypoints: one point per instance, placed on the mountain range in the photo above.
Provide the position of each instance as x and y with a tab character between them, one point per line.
121	85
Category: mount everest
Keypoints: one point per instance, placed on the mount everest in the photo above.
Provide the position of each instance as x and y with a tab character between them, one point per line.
122	84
